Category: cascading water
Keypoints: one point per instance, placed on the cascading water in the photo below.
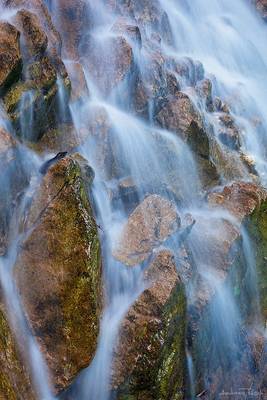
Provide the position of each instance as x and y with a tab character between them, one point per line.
156	161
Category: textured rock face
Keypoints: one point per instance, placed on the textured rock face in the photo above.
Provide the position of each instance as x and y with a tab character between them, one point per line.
10	56
180	116
14	378
242	201
109	62
31	95
149	14
73	21
224	252
148	226
39	8
58	271
33	35
149	360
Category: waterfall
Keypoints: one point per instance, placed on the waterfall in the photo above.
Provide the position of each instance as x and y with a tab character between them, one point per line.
221	43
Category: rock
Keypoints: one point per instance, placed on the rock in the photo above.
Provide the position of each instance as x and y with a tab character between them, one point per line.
58	270
14	378
73	21
78	81
33	104
190	72
132	32
224	253
204	90
180	115
109	62
10	56
45	167
149	359
148	226
149	16
153	84
229	133
62	138
39	8
33	36
262	7
13	180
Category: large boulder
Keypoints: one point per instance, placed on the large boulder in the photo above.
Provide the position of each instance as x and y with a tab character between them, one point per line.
150	224
149	359
58	271
14	378
10	55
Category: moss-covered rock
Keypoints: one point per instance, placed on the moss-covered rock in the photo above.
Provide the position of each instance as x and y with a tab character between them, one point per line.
149	361
220	362
14	378
58	271
257	229
10	55
33	36
34	102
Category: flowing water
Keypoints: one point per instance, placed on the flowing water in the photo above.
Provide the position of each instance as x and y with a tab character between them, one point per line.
229	39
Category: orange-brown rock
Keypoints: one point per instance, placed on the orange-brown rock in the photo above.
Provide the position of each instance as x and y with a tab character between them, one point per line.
132	32
149	359
150	224
58	271
15	381
10	55
178	114
39	8
34	38
72	19
78	81
109	62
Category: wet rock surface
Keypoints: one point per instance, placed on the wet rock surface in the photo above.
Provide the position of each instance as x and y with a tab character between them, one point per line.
31	95
132	68
14	378
35	39
58	271
225	254
149	359
10	55
148	226
109	62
